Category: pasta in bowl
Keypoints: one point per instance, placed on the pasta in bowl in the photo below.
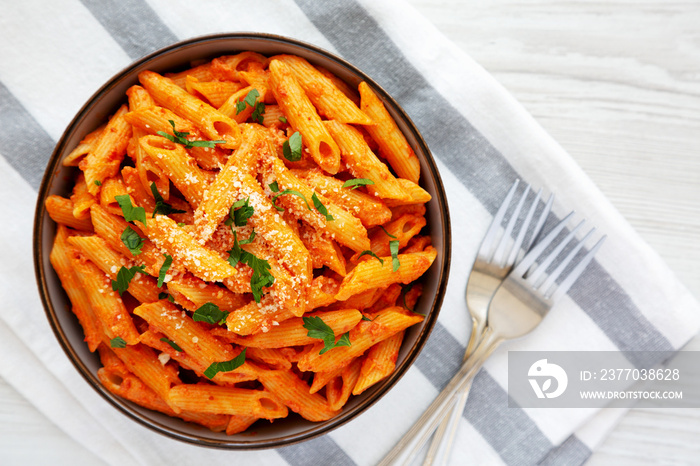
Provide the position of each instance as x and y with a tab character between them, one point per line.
259	236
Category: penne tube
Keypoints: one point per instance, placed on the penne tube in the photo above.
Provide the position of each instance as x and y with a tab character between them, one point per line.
105	302
402	230
192	293
387	323
371	210
201	261
111	188
343	228
176	163
107	152
203	72
330	101
194	339
271	357
392	143
291	332
213	92
339	392
323	251
157	119
109	261
294	392
144	363
226	400
83	149
302	116
212	123
379	363
375	274
81	198
60	255
238	424
362	162
60	210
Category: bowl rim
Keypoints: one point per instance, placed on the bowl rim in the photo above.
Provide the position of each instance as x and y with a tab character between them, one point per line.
127	407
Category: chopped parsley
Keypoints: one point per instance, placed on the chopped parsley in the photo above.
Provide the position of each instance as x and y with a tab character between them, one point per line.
261	268
179	137
394	248
258	112
364	317
292	147
282	119
130	212
321	208
164	269
117	342
97	183
124	276
274	187
357	182
240	212
132	241
225	366
172	344
319	329
211	314
367	252
164	295
161	206
387	233
248	100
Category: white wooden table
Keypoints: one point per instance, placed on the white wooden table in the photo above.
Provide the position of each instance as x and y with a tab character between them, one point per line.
617	83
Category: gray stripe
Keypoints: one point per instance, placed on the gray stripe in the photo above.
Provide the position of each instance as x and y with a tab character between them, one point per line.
321	450
23	142
509	431
485	172
571	452
132	24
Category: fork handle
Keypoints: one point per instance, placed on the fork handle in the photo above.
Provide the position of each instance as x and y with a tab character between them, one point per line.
418	434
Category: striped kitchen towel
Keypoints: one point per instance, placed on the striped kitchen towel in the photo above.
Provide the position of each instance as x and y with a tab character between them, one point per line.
56	54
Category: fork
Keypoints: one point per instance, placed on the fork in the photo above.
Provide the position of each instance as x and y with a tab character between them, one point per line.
495	259
518	306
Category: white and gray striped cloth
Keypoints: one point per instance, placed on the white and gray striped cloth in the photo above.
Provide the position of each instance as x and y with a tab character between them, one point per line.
56	54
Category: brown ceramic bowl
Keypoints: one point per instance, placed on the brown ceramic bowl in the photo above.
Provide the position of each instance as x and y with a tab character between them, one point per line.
58	180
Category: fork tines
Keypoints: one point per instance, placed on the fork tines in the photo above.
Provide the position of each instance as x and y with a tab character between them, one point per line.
503	250
534	272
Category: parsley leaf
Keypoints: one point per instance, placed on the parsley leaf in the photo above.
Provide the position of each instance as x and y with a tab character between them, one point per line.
387	233
164	269
124	276
274	187
117	342
364	317
172	344
394	248
240	212
282	119
211	314
292	147
321	208
258	112
367	252
249	100
97	183
180	137
286	191
319	329
357	182
225	366
130	212
161	206
164	295
261	268
132	240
